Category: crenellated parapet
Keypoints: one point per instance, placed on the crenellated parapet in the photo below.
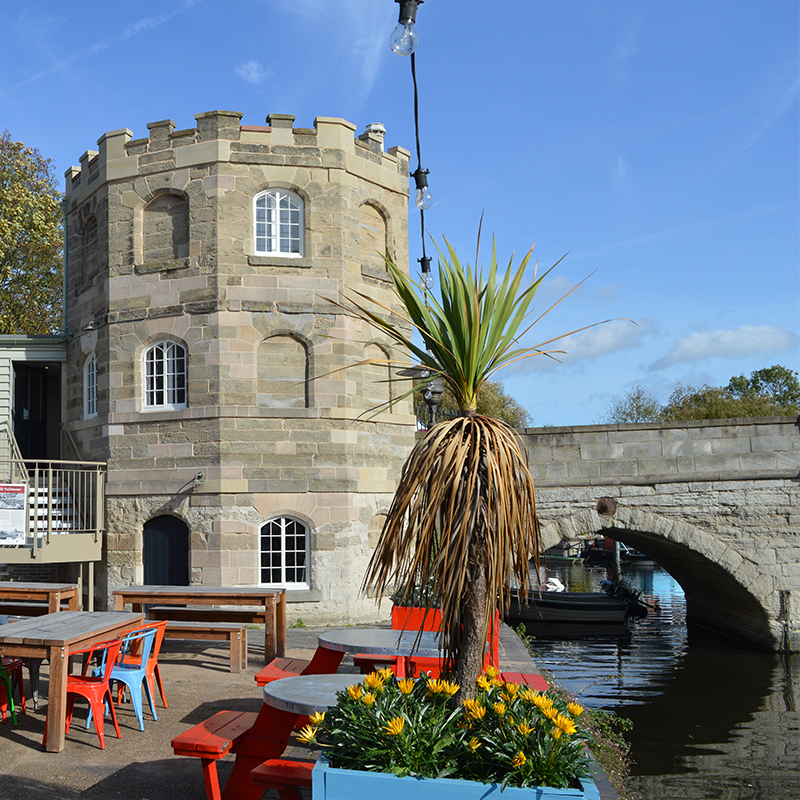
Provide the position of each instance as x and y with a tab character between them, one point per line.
221	138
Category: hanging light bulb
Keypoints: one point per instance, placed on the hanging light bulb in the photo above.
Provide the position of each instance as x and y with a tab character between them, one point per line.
427	278
424	198
404	38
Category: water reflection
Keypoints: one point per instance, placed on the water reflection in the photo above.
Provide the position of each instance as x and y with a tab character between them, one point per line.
713	720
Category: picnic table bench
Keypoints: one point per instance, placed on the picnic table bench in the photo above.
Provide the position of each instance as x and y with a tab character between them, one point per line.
233	632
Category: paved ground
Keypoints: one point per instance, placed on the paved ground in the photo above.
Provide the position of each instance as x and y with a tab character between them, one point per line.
141	765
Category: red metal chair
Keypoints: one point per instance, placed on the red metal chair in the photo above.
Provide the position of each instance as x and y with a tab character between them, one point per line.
94	688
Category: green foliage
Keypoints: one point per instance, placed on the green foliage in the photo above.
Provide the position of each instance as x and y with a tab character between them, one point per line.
30	241
636	405
493	401
769	392
506	734
298	624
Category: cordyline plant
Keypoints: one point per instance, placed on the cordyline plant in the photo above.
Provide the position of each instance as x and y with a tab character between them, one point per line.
463	519
508	733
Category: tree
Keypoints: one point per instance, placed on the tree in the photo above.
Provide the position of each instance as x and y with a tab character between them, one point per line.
30	241
493	401
776	382
636	405
463	519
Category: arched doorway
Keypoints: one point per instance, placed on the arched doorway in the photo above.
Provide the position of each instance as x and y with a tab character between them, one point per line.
166	552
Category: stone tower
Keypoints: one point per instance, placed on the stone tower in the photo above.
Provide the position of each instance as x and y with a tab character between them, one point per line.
205	361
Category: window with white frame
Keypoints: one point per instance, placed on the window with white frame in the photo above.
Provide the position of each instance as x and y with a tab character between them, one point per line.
278	223
90	387
284	553
165	376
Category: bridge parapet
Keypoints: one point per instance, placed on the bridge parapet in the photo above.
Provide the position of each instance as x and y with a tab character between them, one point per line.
715	502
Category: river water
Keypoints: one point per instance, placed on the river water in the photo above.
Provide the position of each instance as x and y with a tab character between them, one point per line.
712	719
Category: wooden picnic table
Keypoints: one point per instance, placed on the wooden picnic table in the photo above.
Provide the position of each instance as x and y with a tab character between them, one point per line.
273	601
51	593
55	637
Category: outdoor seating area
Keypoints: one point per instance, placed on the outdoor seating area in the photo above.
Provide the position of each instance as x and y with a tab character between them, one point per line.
240	733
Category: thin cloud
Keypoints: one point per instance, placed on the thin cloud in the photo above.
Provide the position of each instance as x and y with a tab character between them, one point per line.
749	340
253	72
616	336
146	23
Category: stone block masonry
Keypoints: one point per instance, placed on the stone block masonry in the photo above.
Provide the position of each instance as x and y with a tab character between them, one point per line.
163	247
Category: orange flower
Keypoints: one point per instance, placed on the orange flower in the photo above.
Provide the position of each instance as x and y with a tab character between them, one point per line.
518	760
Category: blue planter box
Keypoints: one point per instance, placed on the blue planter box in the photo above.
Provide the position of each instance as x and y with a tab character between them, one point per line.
329	783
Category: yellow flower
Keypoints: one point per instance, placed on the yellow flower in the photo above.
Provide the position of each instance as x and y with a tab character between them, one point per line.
542	701
435	686
373	681
556	733
474	743
499	709
528	695
474	709
483	682
317	718
354	691
394	727
524	728
518	760
406	685
565	723
491	672
575	709
307	734
511	689
385	673
497	682
550	712
368	698
450	688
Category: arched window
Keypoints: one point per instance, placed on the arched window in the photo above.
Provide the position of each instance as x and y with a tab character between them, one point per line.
90	387
165	229
284	553
278	223
165	376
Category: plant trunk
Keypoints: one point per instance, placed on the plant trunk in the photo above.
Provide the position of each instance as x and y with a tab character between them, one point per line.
473	615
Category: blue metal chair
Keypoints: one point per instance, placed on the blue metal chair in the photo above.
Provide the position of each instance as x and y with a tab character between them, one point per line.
134	675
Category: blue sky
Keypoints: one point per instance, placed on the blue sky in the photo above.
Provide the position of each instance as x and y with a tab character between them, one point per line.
653	142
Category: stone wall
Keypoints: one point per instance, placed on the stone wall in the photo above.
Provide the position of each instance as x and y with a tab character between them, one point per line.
274	418
715	502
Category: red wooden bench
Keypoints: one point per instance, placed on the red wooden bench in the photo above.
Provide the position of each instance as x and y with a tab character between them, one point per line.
324	662
534	680
212	740
284	775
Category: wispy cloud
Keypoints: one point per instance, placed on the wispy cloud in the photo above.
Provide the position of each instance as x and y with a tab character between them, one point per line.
253	72
749	340
616	336
63	64
146	23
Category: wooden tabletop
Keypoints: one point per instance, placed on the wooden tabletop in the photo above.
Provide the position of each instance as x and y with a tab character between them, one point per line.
200	590
65	628
17	587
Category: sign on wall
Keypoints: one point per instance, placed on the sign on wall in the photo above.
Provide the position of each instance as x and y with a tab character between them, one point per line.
13	505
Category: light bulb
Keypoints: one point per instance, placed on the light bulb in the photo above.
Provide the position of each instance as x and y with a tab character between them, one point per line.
427	280
424	198
404	38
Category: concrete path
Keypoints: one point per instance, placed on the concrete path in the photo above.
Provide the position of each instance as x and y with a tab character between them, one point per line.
141	765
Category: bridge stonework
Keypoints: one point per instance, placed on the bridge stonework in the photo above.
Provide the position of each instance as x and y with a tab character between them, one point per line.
714	502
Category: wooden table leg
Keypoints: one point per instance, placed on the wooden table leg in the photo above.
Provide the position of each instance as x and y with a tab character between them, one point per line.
57	700
73	602
53	602
119	602
280	625
269	630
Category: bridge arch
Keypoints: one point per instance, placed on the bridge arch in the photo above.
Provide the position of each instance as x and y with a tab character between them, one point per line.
724	591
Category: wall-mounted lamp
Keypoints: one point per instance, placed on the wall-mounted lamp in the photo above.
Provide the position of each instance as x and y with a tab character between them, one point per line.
404	38
198	480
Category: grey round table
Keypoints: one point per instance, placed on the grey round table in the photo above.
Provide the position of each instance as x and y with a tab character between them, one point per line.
383	641
306	694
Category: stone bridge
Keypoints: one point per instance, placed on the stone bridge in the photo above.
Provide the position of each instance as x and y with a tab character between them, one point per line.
714	502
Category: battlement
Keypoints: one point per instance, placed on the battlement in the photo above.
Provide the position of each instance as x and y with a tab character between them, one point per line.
220	137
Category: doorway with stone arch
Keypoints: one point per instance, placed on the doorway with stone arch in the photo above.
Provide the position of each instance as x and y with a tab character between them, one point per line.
166	552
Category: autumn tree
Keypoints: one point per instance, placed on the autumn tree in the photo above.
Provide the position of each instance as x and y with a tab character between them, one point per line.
30	241
493	401
636	405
